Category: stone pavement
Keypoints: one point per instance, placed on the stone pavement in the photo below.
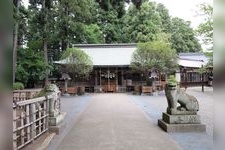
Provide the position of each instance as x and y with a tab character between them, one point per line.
73	106
114	122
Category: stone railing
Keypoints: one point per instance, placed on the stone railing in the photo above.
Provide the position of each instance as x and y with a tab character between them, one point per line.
33	117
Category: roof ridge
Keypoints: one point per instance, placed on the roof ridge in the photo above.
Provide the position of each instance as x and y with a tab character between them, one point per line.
191	54
105	45
191	59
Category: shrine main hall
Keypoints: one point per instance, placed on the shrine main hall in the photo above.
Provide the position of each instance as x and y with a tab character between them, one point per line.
112	72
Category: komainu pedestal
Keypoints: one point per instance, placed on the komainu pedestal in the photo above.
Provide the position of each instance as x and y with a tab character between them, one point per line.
181	118
55	119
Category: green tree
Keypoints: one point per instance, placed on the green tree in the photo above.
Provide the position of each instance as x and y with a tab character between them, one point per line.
137	3
72	16
109	20
113	5
141	25
205	29
41	19
77	63
155	55
183	37
20	16
30	67
165	18
118	5
16	13
93	34
23	25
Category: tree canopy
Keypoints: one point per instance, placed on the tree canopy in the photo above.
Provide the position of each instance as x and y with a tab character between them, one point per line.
183	37
155	55
78	63
63	23
205	29
141	25
30	67
151	21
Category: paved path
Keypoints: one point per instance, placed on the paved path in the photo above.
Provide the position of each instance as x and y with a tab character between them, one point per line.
113	122
73	106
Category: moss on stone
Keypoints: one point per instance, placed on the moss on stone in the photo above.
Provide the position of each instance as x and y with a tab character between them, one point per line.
172	81
46	90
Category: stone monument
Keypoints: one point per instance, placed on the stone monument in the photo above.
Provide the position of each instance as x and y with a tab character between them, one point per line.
55	115
183	118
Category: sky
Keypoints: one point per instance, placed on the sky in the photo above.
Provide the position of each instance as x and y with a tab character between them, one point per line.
185	9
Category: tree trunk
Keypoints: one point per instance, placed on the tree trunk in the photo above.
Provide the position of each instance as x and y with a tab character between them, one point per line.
66	27
45	44
46	60
15	41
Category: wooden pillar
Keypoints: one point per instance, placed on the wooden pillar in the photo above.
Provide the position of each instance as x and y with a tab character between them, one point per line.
22	131
66	86
96	78
108	72
185	78
33	119
117	80
122	77
100	79
14	129
28	121
202	76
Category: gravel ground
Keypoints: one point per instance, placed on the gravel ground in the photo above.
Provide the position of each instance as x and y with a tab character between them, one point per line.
153	106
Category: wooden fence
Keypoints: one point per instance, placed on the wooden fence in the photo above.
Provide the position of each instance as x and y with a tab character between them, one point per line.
31	119
21	95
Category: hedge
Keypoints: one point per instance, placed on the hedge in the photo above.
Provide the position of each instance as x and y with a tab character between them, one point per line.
18	86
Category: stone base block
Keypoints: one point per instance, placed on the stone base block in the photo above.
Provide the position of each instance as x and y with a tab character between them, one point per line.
179	112
181	127
57	129
181	119
54	121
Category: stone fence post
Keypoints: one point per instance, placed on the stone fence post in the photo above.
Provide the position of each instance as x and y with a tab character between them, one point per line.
55	115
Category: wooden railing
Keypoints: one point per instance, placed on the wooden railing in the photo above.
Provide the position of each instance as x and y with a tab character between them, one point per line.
31	118
121	89
21	95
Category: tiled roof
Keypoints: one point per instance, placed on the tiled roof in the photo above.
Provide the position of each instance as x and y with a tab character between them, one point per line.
108	54
195	60
121	55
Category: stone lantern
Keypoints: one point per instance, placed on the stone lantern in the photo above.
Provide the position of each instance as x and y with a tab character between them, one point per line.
66	78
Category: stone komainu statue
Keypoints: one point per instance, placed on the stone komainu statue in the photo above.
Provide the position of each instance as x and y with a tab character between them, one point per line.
175	95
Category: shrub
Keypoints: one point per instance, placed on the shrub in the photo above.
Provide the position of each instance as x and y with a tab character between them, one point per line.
172	81
18	86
